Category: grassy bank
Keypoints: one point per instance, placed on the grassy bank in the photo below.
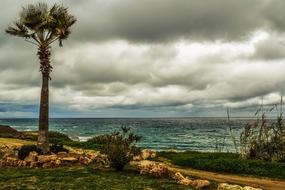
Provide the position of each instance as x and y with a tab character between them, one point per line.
226	163
81	178
54	138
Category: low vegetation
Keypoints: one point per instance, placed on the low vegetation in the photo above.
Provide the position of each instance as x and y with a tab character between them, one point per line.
264	139
120	147
225	162
81	178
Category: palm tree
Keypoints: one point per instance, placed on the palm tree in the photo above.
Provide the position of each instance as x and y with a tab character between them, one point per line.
41	26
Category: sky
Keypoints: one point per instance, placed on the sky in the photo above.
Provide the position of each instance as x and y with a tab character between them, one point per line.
150	58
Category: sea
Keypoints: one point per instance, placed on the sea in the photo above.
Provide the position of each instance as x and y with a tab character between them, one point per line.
181	134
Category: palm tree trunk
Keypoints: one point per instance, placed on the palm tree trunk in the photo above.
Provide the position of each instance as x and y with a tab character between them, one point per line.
44	56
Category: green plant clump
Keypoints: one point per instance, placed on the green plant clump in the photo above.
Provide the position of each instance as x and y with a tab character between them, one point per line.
263	139
56	148
120	148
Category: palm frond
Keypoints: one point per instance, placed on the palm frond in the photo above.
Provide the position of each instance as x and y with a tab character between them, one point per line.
43	24
18	30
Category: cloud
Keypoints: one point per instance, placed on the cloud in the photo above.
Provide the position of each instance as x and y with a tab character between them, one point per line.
161	57
165	20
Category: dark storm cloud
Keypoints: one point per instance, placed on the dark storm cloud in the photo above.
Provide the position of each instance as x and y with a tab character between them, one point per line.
169	56
163	20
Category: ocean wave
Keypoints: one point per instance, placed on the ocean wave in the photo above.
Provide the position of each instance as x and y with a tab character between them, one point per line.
84	138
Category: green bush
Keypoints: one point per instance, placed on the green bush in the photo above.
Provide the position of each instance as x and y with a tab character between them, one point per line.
26	149
56	148
120	148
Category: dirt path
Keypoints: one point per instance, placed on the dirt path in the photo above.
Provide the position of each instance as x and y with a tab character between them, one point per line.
264	183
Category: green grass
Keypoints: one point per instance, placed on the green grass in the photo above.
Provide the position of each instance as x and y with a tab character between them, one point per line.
81	178
226	163
59	138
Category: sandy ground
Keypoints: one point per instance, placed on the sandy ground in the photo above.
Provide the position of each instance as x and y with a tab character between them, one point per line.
264	183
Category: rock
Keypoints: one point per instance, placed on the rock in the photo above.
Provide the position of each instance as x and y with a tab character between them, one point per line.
85	160
200	183
46	158
57	162
225	186
33	156
33	164
250	188
145	154
12	155
69	159
186	181
154	169
62	154
92	156
181	179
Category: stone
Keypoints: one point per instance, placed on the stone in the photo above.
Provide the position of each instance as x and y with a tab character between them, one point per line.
62	154
199	183
32	157
8	155
57	162
145	154
250	188
85	160
225	186
92	156
154	169
181	179
46	158
69	159
33	164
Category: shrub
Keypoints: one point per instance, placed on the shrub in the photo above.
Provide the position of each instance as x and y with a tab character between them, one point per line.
26	149
264	140
56	148
57	137
120	147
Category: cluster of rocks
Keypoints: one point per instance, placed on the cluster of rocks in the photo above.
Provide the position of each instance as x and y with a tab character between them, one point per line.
161	170
154	169
197	183
54	160
226	186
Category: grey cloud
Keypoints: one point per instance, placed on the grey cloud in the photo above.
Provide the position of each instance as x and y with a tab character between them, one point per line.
272	48
163	20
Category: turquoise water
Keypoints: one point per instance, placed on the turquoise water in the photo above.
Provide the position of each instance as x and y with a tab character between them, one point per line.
196	134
